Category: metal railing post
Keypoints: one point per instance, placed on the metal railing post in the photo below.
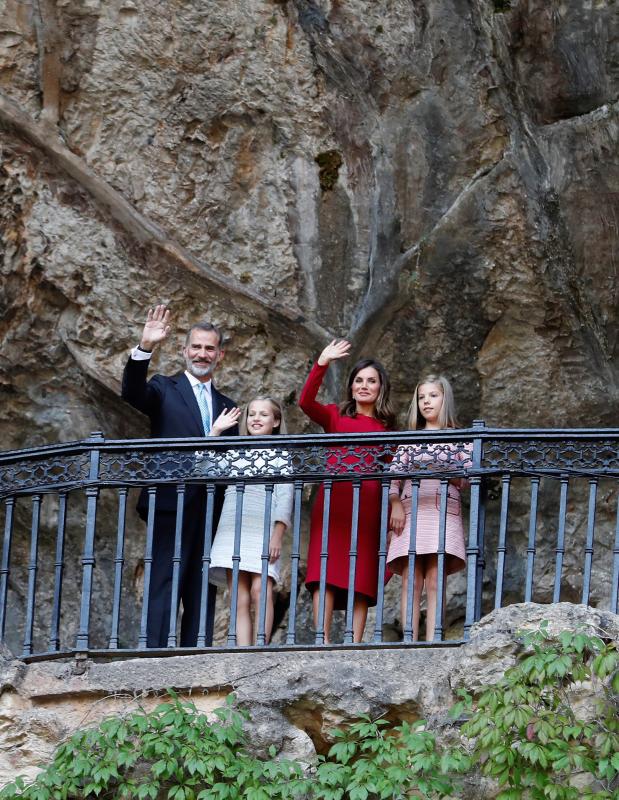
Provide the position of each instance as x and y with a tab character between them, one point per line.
88	557
33	566
54	635
481	542
5	567
148	564
295	557
614	598
560	547
119	560
531	546
352	562
324	556
382	559
502	546
261	638
586	580
472	550
176	564
236	560
205	636
440	564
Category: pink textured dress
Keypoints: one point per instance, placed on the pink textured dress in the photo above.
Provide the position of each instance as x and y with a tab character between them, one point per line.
428	511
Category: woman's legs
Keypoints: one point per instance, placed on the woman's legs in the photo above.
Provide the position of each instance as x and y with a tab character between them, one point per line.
243	608
329	602
256	586
359	616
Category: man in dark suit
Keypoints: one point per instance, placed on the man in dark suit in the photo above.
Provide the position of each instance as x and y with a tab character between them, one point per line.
180	406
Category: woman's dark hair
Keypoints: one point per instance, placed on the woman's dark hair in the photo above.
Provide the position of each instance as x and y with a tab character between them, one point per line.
382	410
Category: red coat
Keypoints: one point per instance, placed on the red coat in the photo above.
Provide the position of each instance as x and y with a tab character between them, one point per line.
340	514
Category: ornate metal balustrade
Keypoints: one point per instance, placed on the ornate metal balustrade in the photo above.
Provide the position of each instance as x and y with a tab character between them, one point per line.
543	525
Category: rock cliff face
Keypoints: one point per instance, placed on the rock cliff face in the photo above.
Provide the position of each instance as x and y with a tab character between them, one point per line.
437	181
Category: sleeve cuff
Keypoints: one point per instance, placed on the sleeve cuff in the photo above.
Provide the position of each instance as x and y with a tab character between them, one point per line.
140	355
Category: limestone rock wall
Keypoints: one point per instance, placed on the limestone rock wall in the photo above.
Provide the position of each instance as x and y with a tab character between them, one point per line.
437	181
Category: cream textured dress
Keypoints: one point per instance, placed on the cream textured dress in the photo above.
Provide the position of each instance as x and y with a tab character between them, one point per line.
440	457
252	524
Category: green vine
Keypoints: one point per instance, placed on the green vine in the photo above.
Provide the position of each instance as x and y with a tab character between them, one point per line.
532	732
173	751
371	759
536	734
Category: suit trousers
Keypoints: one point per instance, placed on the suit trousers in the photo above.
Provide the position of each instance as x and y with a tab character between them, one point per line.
190	578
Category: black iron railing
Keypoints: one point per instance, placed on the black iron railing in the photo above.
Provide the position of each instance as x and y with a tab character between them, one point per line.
543	525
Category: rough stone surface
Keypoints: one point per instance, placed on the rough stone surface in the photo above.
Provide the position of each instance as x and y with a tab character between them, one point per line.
293	698
437	181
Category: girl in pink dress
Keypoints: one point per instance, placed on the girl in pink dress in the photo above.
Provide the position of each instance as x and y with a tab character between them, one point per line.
366	410
432	408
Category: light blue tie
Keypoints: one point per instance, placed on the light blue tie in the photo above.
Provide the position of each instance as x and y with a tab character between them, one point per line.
203	406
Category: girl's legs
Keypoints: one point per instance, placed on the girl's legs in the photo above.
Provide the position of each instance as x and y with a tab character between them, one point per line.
329	602
359	616
403	594
256	586
431	581
417	592
243	608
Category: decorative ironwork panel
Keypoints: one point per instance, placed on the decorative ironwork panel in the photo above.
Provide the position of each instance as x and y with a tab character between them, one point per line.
431	457
354	460
566	454
147	466
246	462
56	472
307	462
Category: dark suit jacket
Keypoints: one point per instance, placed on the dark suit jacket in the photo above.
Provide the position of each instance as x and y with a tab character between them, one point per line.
171	406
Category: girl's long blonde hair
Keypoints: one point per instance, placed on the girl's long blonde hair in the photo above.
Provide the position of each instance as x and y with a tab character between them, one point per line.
278	413
447	417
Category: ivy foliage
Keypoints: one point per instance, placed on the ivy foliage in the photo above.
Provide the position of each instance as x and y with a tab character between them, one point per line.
176	752
548	730
372	760
172	752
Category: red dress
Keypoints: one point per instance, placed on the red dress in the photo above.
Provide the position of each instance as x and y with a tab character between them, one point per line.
340	512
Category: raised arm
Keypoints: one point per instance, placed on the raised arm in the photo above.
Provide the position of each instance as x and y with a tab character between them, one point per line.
156	328
322	414
135	389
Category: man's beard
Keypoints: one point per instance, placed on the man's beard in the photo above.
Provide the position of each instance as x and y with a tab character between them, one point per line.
199	370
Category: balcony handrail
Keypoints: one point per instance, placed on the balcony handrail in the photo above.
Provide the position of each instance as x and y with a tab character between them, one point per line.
310	443
309	439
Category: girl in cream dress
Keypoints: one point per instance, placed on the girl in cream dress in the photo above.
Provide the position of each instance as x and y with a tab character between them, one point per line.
263	416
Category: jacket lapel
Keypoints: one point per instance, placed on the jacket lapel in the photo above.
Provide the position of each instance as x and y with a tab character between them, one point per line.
218	403
186	392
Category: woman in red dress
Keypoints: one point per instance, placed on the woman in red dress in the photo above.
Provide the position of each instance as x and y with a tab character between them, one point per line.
365	410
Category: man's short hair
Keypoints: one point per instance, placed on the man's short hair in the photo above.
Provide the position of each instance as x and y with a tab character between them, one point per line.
205	326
